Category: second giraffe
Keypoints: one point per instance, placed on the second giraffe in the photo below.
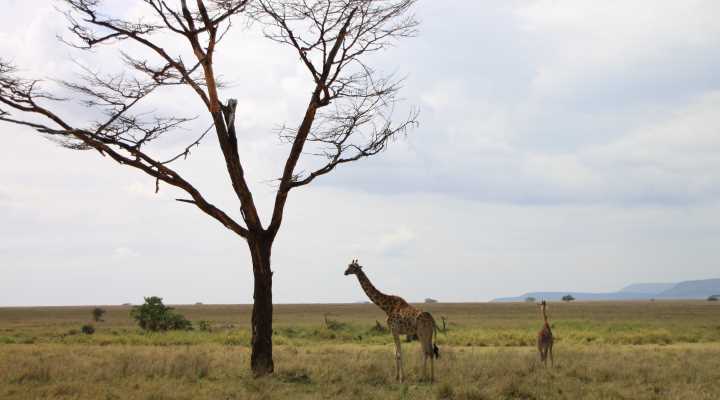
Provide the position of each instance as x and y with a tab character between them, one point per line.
545	337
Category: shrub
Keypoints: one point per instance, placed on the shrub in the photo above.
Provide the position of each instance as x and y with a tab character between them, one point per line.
155	316
97	314
530	299
714	297
378	328
568	297
429	300
204	325
333	325
88	329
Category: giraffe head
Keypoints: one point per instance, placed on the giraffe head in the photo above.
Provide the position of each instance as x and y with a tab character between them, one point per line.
353	268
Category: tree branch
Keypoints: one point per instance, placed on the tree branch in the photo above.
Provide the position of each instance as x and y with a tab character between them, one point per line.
21	95
331	38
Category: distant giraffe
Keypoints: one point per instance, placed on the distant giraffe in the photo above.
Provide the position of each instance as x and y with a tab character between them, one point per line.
402	319
545	337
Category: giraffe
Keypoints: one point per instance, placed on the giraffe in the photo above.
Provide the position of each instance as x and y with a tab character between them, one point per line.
402	319
545	337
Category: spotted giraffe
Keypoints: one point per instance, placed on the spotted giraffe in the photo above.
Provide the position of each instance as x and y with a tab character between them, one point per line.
545	337
402	319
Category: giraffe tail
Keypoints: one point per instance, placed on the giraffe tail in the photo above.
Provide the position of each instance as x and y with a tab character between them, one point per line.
436	349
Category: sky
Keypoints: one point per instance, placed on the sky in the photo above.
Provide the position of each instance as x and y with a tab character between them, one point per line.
563	145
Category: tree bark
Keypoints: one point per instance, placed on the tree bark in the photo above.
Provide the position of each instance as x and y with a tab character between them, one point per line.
261	361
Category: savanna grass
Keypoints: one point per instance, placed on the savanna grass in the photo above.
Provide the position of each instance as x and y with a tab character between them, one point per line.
632	350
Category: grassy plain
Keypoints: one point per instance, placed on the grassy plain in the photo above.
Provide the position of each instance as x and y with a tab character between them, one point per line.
604	350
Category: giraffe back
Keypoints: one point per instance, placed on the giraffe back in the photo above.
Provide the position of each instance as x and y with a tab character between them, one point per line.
402	318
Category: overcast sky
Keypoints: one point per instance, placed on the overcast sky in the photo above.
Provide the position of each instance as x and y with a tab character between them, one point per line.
563	145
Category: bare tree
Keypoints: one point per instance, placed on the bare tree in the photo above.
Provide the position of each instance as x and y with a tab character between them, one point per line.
348	116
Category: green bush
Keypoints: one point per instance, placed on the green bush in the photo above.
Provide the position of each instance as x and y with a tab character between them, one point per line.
88	329
97	314
155	316
204	325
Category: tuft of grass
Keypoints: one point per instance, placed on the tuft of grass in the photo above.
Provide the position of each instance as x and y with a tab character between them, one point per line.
299	376
34	373
445	392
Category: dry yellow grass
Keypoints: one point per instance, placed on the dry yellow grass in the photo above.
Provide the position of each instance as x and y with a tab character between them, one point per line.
486	354
357	372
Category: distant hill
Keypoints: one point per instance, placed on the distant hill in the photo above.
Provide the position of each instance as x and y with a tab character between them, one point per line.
692	290
700	289
551	296
651	288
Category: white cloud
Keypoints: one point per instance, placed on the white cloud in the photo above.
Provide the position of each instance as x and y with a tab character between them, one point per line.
585	40
575	137
123	253
686	139
396	241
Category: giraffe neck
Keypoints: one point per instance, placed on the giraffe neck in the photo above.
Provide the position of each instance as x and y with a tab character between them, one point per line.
545	318
380	299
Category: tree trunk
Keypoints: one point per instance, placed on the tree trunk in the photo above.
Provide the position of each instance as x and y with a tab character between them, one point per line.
261	361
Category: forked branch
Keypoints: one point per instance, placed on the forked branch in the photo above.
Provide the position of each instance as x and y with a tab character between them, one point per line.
332	38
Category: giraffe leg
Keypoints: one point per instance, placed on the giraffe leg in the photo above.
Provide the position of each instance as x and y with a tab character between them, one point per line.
423	348
400	362
425	326
432	365
425	357
552	362
398	358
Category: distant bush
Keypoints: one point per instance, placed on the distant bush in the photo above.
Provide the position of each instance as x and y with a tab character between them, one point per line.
530	299
154	316
378	328
88	329
714	297
97	314
204	325
429	300
444	323
334	325
568	297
